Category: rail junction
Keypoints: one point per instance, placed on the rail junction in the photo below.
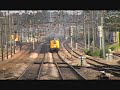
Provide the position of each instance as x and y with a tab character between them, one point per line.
59	45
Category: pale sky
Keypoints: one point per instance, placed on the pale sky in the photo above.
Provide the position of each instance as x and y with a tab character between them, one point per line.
30	11
16	11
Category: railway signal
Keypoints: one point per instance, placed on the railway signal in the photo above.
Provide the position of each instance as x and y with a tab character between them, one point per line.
71	30
71	34
33	40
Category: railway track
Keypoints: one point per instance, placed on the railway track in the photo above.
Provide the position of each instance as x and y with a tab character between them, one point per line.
116	54
108	66
105	67
66	71
33	71
24	47
9	53
41	67
10	66
77	55
18	58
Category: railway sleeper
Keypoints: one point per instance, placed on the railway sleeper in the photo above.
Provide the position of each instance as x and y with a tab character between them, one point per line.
44	62
76	67
63	66
61	63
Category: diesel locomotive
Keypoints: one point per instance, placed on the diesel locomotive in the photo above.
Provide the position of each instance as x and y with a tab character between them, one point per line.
54	45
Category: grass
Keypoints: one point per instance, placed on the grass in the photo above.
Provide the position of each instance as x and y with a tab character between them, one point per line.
96	53
114	47
91	53
99	53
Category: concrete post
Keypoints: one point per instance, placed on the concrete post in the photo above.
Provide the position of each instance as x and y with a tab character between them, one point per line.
93	28
119	38
100	35
10	34
84	28
14	34
6	35
1	41
33	44
88	37
88	32
71	34
103	39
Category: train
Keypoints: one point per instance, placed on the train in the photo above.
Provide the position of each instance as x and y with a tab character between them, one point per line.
54	45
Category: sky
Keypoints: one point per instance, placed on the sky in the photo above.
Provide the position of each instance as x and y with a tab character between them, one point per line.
30	11
15	11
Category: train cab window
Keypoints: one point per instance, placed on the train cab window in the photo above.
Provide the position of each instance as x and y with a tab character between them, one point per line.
54	42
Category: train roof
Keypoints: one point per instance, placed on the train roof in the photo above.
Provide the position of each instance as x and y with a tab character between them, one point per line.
56	39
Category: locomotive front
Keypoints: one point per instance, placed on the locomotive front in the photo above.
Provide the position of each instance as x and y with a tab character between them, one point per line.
54	45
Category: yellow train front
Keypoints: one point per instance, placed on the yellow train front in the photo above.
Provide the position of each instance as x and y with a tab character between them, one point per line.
54	45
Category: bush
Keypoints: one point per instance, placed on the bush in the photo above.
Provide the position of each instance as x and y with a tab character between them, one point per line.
101	52
88	52
92	53
85	50
98	52
114	47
